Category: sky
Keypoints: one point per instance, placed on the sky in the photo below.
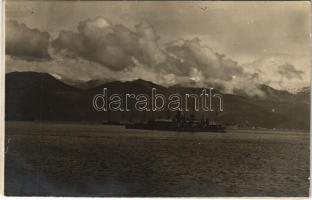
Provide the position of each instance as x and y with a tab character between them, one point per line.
235	45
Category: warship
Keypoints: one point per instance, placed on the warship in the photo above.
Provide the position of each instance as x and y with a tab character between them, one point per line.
180	124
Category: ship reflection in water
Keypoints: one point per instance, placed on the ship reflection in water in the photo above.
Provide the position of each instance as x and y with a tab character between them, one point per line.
180	123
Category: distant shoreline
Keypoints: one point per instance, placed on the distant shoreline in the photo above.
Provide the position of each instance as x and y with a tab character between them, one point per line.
240	129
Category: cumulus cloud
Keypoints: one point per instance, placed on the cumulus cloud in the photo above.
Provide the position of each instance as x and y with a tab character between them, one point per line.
25	42
113	46
100	49
188	55
124	50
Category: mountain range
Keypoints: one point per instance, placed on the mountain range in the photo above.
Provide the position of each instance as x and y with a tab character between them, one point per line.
32	96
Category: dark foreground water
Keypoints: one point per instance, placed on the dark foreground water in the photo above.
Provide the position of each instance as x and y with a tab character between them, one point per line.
94	160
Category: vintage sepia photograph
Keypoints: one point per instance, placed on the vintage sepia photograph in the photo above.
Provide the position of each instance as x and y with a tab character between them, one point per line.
157	98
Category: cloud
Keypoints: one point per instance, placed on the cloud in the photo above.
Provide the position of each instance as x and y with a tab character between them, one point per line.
121	49
100	49
25	42
280	72
188	55
190	63
113	46
288	70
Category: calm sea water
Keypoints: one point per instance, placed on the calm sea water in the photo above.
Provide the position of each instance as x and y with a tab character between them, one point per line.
50	159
